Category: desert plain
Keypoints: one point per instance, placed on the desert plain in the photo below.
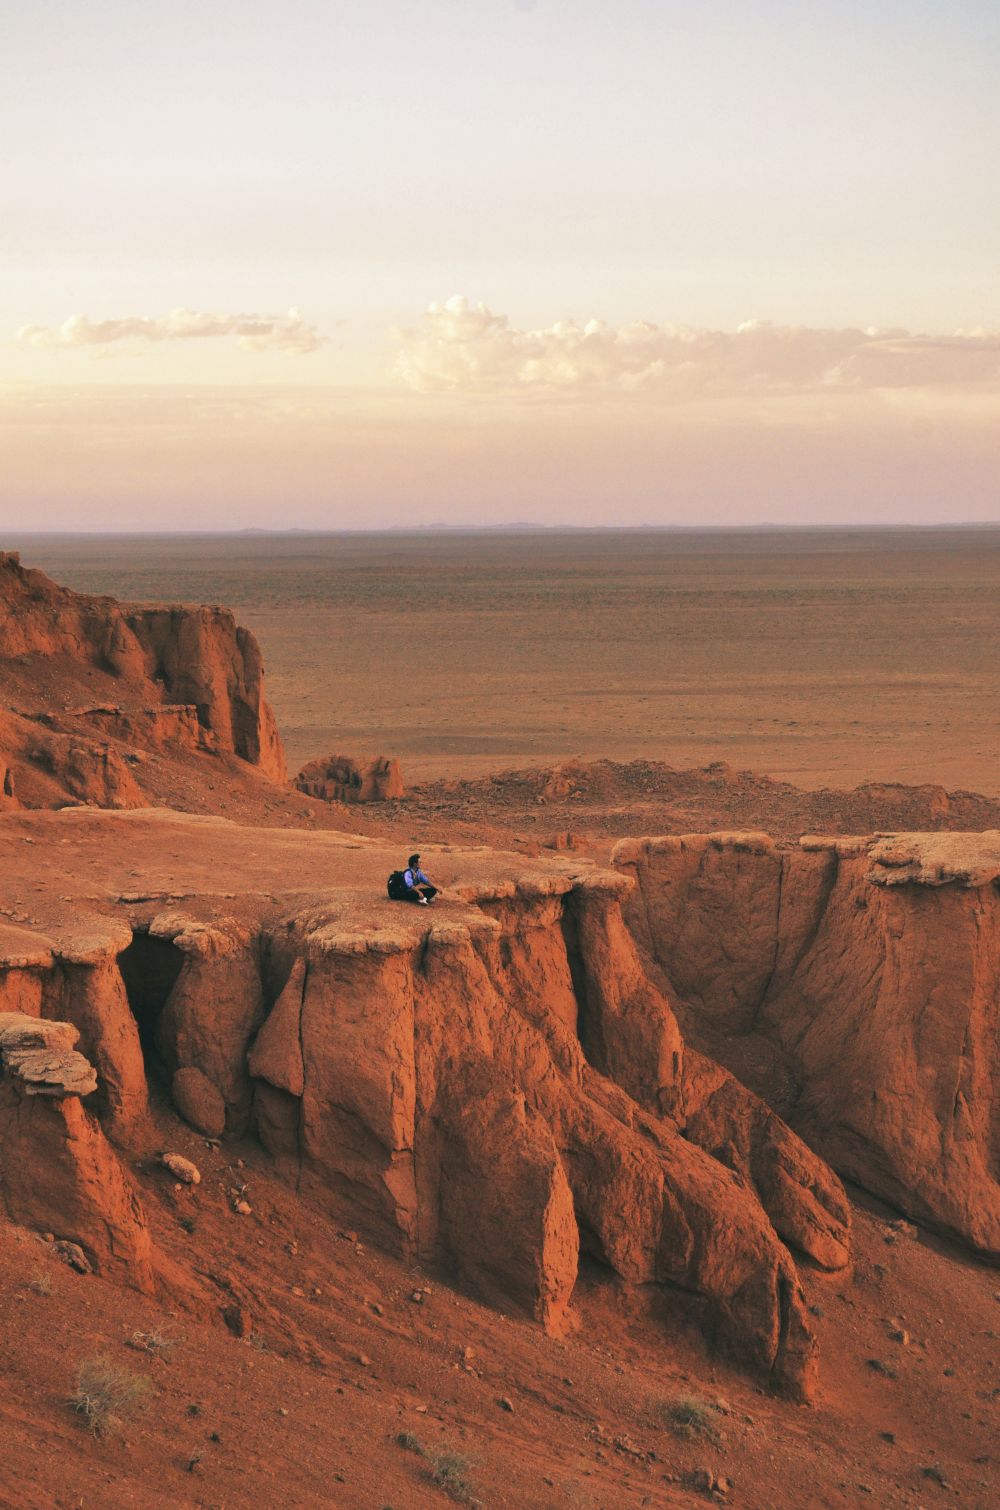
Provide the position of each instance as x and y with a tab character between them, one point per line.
820	657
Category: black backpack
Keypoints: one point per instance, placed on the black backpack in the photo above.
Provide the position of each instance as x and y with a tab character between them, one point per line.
396	886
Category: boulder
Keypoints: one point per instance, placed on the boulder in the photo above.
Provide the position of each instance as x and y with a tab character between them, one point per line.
181	1168
341	778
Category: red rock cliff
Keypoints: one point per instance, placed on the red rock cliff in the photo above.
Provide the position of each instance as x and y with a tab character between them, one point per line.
73	666
855	983
495	1085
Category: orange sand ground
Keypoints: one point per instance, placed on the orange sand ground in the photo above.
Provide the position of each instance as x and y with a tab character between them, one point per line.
586	1431
824	658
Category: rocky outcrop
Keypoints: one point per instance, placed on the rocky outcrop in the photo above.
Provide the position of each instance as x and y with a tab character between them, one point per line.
341	778
159	727
204	659
76	981
494	1084
58	1173
604	798
856	984
83	770
183	679
494	1091
433	1080
39	1055
8	798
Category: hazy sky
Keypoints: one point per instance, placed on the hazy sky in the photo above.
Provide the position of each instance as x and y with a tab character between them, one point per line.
307	262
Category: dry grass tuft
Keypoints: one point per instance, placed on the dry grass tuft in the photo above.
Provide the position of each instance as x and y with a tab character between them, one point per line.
106	1394
155	1343
450	1471
410	1443
689	1417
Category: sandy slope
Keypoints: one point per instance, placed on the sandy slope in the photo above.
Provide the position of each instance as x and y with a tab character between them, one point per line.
586	1427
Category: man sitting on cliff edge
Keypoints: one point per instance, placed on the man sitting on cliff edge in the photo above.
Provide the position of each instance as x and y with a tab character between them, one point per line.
411	885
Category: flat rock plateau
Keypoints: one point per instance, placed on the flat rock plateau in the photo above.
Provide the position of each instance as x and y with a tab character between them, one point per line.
655	1162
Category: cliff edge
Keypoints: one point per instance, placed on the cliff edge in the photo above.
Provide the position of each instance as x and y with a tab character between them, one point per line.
855	984
492	1084
92	689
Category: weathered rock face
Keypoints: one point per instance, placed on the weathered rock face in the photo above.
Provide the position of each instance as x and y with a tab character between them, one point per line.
57	1171
204	659
184	678
482	1091
856	984
75	980
341	778
198	1101
159	727
83	770
39	1055
437	1082
494	1084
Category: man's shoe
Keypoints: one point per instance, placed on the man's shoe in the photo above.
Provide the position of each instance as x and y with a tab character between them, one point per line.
423	901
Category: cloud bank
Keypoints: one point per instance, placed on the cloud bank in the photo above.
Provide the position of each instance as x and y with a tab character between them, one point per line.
288	333
462	347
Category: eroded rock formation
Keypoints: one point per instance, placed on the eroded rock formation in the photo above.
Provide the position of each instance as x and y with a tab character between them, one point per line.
58	1173
493	1085
341	778
40	1056
186	679
856	984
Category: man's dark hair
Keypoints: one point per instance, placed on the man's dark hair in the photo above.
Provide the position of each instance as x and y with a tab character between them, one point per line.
413	860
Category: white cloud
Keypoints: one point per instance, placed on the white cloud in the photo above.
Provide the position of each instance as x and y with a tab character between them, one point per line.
289	333
463	347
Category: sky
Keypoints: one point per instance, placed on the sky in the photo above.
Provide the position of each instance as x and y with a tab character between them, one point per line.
310	263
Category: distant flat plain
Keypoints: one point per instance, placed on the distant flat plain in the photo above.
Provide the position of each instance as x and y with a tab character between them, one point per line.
823	657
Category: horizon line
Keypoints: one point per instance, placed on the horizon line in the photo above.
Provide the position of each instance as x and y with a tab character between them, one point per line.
524	527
